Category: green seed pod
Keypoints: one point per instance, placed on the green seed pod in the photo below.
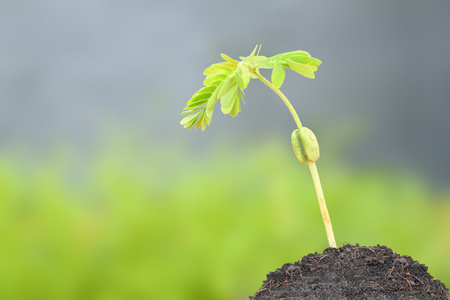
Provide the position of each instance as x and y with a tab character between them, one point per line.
310	144
298	147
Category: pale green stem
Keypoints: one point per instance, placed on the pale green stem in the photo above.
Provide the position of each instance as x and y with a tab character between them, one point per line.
322	204
312	165
282	96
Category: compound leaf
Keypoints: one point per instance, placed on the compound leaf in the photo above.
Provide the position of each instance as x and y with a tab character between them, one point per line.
227	80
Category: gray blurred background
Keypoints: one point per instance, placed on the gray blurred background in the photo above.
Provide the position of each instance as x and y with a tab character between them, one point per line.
71	69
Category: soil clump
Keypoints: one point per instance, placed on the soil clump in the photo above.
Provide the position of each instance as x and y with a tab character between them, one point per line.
353	272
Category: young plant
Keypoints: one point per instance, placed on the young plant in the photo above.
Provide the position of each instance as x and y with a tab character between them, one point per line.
227	81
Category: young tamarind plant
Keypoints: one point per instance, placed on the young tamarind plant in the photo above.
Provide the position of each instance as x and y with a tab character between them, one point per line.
227	81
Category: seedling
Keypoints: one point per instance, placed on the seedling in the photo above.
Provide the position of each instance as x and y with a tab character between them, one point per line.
227	81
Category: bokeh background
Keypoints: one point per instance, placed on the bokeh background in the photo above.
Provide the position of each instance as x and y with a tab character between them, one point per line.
103	195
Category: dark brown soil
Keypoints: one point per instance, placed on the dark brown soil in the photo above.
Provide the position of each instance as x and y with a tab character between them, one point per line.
352	272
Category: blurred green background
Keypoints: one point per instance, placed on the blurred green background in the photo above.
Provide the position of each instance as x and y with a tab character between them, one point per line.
103	195
167	222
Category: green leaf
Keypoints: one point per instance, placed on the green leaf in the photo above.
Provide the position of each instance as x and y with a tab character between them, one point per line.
198	100
227	80
246	78
190	120
228	109
241	95
203	121
227	100
223	69
287	55
220	68
302	69
216	83
229	59
189	110
226	86
282	57
240	81
278	74
297	56
212	78
212	102
236	107
201	95
306	60
205	89
265	63
259	58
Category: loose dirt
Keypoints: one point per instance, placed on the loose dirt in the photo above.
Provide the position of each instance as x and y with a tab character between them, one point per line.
353	272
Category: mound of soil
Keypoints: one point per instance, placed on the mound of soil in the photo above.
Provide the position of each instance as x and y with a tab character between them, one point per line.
353	272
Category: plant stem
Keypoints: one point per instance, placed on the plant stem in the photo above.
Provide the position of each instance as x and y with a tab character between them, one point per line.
282	96
312	165
322	204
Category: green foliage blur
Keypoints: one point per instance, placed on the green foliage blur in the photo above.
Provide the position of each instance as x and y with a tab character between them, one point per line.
173	222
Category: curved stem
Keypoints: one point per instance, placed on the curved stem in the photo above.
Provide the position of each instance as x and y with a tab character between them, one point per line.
282	96
312	165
